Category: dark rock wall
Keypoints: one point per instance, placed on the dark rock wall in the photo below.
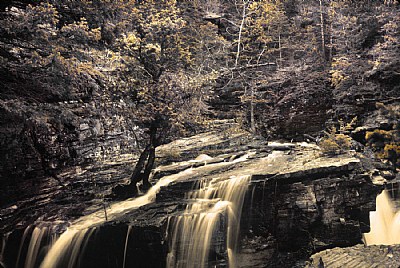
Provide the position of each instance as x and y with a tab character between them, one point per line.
298	103
145	247
300	94
293	213
307	214
50	152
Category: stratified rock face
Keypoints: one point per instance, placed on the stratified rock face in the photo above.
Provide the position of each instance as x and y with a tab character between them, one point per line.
289	102
298	201
53	153
358	256
296	104
314	208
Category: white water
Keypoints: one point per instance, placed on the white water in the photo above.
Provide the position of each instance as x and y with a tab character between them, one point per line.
26	231
34	246
3	247
72	242
126	243
384	222
193	232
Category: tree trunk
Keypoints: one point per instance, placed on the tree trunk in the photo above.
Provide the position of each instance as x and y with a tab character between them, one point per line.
136	175
322	28
252	119
240	32
146	161
148	168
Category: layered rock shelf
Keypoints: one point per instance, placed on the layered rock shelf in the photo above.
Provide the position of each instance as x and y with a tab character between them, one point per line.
358	257
298	201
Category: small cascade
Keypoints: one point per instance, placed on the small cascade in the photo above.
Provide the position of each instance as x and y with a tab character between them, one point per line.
2	249
126	243
216	201
31	246
34	246
26	232
68	248
384	222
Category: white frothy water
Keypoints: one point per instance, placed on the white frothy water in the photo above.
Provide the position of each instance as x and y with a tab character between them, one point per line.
126	243
71	243
384	222
193	232
34	246
26	231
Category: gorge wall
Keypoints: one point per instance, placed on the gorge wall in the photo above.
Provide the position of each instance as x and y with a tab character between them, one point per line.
69	119
297	202
54	153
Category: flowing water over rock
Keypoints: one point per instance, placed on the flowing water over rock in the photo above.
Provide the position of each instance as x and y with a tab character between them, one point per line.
193	232
68	248
280	198
385	222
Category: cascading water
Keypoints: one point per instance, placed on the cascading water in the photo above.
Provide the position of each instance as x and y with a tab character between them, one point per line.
193	232
31	247
126	244
67	250
3	246
384	222
34	246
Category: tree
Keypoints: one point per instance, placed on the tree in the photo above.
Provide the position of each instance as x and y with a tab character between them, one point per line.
142	50
55	58
257	46
158	56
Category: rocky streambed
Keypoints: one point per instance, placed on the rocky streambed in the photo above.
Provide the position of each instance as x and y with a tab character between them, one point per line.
297	202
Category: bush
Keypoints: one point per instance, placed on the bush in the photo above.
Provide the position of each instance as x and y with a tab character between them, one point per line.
335	144
386	143
335	140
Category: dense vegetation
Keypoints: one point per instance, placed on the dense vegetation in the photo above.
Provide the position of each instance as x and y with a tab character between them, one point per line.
279	65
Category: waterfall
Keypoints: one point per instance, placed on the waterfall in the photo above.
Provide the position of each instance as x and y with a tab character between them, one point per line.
67	249
128	232
70	243
2	249
384	222
193	232
34	246
26	231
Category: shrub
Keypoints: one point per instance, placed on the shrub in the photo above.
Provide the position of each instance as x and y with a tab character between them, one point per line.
386	143
336	141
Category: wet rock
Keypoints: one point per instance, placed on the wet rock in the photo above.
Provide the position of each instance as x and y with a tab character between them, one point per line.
52	153
358	256
298	200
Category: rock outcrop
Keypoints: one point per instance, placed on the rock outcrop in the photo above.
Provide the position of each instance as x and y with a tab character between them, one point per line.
54	153
298	202
358	256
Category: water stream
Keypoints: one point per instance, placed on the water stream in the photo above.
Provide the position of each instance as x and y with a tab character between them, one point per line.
68	248
194	231
384	222
126	244
34	246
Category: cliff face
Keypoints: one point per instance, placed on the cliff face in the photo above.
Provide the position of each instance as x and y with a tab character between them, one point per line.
297	202
54	153
48	140
60	156
335	61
